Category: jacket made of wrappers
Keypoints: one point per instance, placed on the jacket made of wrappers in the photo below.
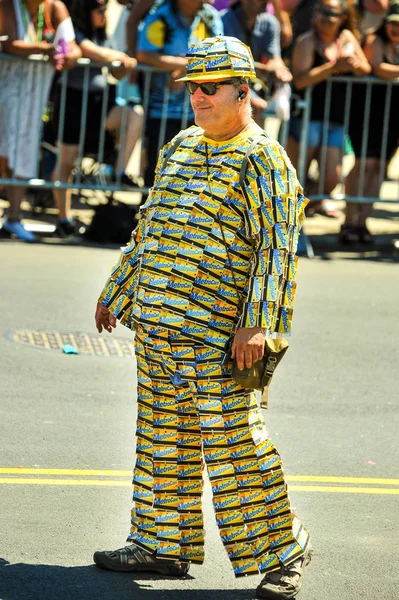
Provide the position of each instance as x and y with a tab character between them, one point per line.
175	272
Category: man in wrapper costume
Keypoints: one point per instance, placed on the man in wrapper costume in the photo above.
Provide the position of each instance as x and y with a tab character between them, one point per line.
174	286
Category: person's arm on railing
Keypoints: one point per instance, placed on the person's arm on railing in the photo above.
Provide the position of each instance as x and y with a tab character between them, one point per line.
353	53
17	47
162	61
175	64
8	29
302	60
274	66
107	55
374	50
21	48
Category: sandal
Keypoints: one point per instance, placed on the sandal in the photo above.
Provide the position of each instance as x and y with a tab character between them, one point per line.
131	559
286	582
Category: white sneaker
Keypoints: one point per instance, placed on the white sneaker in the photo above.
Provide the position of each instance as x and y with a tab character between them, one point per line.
17	229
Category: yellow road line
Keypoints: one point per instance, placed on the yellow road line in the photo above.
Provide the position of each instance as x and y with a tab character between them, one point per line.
124	473
48	481
354	480
122	483
74	472
344	490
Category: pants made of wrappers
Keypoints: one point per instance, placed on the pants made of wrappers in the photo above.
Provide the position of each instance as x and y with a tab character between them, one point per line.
189	408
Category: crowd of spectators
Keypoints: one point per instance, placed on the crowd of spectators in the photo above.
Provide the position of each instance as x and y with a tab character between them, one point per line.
299	42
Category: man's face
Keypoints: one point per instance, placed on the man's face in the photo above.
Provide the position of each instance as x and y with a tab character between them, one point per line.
216	112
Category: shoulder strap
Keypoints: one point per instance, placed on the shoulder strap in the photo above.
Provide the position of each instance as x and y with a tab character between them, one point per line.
179	139
244	163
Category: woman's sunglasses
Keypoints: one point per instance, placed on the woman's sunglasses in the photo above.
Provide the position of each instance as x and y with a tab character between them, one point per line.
209	88
329	14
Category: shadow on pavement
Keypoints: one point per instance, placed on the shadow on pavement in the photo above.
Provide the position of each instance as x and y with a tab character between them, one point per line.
385	249
21	581
381	213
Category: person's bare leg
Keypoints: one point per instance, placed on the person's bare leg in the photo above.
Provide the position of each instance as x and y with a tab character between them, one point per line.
293	151
15	195
371	189
3	170
293	148
351	189
331	177
134	123
332	170
12	224
66	160
357	213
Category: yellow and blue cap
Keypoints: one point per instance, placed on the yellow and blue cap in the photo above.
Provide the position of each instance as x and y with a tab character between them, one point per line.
219	57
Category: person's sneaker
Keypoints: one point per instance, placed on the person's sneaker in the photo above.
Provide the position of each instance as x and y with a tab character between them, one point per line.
132	559
65	229
16	228
286	582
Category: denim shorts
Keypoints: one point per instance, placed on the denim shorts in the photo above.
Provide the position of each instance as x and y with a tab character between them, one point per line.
335	133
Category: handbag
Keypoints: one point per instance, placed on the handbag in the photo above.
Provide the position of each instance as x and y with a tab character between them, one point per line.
259	375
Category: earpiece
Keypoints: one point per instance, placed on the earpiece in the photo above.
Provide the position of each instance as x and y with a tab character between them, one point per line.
241	95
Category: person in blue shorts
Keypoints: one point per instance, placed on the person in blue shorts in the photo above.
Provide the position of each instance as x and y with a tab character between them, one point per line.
330	48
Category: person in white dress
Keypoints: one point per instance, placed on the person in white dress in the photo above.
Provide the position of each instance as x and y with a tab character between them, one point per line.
33	27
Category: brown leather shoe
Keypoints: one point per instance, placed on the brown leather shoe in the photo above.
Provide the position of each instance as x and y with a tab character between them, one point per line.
132	559
286	582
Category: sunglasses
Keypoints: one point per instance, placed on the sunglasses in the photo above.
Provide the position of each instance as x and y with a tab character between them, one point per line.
325	12
209	88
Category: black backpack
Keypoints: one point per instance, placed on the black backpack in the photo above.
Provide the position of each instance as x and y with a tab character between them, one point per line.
112	223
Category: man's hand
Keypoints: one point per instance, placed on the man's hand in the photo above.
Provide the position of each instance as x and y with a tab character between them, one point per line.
248	346
104	319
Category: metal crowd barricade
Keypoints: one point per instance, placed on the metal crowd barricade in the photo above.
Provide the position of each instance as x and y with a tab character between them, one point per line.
368	83
102	183
305	104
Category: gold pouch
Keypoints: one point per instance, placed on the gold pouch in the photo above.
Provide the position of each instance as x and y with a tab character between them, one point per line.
260	374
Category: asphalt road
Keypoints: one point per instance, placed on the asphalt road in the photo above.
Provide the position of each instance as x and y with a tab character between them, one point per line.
333	416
